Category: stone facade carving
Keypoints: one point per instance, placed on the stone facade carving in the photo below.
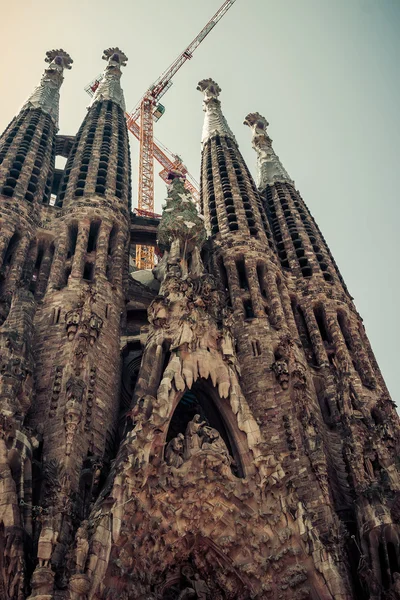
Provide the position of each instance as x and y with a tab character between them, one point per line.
73	411
223	432
199	437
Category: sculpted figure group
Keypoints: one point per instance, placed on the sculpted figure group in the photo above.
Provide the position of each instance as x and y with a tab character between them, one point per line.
199	437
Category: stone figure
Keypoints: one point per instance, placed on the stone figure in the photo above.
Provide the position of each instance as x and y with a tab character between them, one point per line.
396	586
174	451
193	436
313	438
281	370
200	587
213	441
48	536
82	547
197	588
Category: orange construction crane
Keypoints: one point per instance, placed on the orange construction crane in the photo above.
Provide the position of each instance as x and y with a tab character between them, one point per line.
149	110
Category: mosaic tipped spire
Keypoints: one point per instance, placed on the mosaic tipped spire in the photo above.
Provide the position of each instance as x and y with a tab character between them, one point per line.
47	94
270	168
110	86
180	218
214	121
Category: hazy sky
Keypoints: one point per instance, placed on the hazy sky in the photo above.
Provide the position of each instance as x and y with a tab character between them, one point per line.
325	73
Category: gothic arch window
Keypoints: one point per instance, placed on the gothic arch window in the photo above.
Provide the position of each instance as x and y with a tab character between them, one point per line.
197	420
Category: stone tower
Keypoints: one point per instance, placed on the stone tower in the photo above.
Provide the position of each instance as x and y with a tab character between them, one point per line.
216	429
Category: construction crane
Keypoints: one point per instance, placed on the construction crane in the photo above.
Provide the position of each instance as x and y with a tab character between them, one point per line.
149	109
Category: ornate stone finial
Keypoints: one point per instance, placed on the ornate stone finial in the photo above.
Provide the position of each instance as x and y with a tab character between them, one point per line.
270	169
47	94
110	87
115	57
258	123
214	121
59	57
210	88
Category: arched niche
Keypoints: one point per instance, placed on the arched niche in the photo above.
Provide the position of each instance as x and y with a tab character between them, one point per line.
203	399
200	562
131	360
385	553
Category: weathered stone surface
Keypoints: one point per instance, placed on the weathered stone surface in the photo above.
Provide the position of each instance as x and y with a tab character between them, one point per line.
224	433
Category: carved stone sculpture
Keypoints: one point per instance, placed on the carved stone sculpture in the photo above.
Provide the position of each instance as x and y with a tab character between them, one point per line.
174	451
193	436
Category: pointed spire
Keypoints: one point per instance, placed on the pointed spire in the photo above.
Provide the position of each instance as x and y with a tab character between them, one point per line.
214	121
180	218
110	86
47	94
270	168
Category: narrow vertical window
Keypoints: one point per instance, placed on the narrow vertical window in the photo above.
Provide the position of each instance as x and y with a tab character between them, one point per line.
260	275
248	309
88	271
241	271
93	235
110	251
72	237
321	322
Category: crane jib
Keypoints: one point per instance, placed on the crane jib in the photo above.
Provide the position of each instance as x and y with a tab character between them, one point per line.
149	110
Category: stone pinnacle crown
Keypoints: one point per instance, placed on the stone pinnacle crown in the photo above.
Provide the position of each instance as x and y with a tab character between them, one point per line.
270	169
214	121
110	87
47	94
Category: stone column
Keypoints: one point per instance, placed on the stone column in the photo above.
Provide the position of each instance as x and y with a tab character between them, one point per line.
80	250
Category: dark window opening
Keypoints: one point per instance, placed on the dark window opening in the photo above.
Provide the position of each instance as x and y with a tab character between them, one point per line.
324	406
36	269
93	235
377	416
345	331
56	316
242	274
135	319
12	246
85	488
224	280
256	348
73	236
260	275
321	322
67	273
248	309
88	271
303	332
132	357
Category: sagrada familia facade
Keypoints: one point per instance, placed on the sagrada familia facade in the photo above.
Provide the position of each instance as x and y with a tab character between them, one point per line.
222	432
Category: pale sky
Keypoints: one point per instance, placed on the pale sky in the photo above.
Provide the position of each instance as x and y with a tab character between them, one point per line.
325	73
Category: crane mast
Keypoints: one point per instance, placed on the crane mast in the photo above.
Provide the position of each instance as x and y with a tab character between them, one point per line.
149	110
145	109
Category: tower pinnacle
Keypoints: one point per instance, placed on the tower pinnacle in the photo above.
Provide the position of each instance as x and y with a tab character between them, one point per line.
110	86
214	121
270	168
47	94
